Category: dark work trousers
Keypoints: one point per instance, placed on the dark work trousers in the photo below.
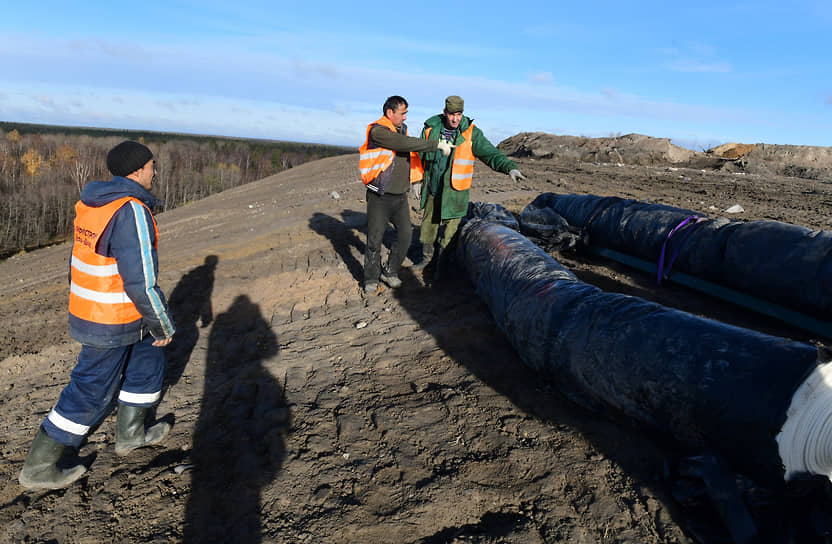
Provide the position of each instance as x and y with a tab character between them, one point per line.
133	372
382	210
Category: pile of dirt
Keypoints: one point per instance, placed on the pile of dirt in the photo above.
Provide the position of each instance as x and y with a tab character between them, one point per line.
800	161
807	162
730	150
629	149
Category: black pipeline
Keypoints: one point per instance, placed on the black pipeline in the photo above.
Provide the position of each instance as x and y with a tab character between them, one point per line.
779	269
706	384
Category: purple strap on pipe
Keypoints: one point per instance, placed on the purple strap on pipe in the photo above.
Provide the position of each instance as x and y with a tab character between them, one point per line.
661	271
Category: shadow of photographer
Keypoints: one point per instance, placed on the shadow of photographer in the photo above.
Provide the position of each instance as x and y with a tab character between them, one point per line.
238	442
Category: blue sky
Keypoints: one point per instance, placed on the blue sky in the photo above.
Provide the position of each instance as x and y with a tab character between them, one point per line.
700	73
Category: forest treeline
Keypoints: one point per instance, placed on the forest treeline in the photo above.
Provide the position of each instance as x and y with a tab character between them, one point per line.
43	169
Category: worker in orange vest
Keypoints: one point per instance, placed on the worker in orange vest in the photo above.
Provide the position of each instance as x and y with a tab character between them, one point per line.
389	163
119	315
445	192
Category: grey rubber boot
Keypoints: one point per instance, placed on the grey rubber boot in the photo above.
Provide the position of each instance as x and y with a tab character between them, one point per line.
40	471
427	257
131	433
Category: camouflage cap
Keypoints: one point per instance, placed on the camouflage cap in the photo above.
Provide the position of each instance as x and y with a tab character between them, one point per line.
454	104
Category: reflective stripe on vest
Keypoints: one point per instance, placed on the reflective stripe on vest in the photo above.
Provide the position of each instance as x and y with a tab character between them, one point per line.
462	169
96	291
373	161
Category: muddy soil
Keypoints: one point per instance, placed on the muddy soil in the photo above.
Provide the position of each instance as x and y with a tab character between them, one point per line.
308	411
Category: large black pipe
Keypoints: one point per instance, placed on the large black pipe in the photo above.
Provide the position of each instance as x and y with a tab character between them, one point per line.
785	264
706	384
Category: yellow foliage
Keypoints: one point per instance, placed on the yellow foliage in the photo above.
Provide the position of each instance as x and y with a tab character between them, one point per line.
65	154
32	161
14	136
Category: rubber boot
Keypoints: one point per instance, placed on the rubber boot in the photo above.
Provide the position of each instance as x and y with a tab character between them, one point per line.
427	257
440	269
40	471
131	433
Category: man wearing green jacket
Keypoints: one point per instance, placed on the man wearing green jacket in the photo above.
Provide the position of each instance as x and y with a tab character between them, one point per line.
445	191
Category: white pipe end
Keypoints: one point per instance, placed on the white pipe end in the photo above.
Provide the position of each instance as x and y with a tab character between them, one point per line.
805	440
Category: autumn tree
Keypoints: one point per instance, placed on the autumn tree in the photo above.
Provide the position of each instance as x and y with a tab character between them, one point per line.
32	162
65	155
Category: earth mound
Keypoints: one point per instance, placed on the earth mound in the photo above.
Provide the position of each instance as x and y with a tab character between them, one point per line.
807	162
800	161
629	149
731	150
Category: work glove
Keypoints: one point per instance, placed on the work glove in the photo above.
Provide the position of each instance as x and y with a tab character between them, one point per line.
444	147
417	190
517	175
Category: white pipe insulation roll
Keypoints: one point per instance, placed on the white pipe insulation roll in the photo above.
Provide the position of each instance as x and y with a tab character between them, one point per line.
805	440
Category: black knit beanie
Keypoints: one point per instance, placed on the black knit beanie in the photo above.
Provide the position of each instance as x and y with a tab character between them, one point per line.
127	157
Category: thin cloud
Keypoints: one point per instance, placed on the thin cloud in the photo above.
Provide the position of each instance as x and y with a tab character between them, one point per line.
699	66
179	103
170	106
542	77
701	49
127	50
695	57
261	92
482	94
46	101
324	69
611	94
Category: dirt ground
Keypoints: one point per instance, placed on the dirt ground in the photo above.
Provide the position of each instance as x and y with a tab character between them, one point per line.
307	411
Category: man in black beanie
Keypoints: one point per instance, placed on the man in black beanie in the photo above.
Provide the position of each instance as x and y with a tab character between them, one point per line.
127	157
119	315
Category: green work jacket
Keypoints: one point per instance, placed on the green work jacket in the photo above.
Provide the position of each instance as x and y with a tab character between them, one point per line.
454	203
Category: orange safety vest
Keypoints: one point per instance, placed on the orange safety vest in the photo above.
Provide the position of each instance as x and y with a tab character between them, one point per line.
96	291
373	161
462	170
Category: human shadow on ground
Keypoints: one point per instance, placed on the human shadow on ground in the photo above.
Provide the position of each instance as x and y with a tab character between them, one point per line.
189	302
351	232
238	442
462	326
342	233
